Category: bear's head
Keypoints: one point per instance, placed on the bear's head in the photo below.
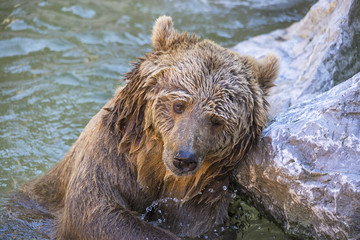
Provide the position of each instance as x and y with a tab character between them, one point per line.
193	104
204	100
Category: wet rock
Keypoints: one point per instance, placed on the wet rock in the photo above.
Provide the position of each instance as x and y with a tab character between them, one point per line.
317	53
306	170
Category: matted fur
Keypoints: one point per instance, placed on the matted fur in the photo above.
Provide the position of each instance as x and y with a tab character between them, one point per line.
122	163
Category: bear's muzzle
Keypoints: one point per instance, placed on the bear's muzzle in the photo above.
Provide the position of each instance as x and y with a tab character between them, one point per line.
185	161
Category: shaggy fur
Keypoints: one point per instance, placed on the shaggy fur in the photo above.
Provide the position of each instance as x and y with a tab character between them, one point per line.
185	97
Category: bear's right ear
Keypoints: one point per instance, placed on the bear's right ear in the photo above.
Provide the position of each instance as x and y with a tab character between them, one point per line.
163	33
268	72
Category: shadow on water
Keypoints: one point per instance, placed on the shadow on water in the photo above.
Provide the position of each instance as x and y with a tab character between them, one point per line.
60	61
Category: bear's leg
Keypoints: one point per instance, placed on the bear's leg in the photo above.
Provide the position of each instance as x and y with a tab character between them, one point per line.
104	219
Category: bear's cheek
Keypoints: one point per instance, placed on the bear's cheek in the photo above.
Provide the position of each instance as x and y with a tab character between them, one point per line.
220	143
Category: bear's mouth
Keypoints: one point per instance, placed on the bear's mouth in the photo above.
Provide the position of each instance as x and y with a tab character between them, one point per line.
184	166
185	161
182	162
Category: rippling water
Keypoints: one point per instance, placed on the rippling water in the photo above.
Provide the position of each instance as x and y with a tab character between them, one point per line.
60	61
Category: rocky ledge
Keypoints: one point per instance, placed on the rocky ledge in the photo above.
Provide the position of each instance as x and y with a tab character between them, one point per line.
305	172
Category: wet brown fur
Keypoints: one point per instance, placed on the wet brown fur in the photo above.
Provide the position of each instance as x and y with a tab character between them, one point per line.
117	167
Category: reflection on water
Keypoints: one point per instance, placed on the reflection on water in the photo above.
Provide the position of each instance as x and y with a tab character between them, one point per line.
61	60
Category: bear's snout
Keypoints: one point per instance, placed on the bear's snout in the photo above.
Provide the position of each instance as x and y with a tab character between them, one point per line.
185	161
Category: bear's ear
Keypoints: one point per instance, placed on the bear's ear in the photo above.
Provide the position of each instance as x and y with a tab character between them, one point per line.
163	33
268	72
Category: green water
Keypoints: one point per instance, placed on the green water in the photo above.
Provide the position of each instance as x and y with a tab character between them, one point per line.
60	61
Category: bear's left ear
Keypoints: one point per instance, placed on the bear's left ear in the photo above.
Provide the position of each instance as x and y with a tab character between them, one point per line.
163	33
268	72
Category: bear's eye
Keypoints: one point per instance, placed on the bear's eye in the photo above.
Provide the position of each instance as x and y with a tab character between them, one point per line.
178	108
216	122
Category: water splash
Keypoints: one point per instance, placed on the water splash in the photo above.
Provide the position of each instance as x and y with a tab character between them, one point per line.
153	208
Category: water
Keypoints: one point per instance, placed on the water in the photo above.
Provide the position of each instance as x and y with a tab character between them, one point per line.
60	61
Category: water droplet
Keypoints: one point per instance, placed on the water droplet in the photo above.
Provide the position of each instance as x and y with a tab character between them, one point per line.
224	188
199	193
211	190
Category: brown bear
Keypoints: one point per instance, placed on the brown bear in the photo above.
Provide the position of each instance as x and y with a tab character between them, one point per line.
156	161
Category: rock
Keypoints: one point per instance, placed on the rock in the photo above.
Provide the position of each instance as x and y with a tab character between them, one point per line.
317	53
306	170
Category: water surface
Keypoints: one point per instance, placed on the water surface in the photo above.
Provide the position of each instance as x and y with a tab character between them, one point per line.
60	61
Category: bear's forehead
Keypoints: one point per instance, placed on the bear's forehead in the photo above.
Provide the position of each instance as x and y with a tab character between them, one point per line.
207	76
207	64
206	58
205	73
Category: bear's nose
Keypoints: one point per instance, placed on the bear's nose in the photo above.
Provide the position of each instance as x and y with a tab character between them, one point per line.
185	161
